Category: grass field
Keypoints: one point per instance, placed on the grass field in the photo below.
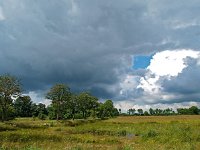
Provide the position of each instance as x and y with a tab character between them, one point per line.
122	133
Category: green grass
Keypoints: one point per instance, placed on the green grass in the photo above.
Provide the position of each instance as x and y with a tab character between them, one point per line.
122	133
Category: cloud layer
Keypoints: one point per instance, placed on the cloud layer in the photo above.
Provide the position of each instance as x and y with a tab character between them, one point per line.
89	44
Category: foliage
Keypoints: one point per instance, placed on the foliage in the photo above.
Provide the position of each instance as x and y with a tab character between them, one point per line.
60	95
86	103
188	111
193	110
9	88
66	105
140	111
107	110
42	116
22	106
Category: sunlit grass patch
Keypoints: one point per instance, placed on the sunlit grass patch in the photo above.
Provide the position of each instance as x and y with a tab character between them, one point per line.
118	133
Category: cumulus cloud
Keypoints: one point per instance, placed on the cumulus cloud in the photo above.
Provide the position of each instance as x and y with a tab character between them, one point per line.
165	65
38	97
170	78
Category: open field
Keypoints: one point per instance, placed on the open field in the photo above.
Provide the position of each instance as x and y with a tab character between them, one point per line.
131	132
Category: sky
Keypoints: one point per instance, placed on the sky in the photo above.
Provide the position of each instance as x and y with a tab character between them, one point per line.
140	54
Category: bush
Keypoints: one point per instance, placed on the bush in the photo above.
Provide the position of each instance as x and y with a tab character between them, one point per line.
150	134
42	116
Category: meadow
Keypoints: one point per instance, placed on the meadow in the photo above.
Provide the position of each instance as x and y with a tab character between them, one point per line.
179	132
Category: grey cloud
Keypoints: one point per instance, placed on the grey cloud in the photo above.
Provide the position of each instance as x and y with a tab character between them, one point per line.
82	43
187	82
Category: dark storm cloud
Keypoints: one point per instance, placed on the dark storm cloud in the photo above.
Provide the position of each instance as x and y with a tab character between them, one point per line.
84	42
76	42
186	84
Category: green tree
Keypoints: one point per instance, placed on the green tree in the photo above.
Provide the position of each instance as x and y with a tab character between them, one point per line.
151	111
73	106
22	106
146	113
168	111
34	110
140	111
86	103
158	111
184	111
41	109
60	95
115	112
120	111
107	109
101	111
131	111
51	112
193	110
9	88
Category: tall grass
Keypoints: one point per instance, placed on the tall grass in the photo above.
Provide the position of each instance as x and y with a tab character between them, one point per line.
126	133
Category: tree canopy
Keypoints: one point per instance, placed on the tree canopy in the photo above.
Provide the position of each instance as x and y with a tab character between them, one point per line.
10	87
60	95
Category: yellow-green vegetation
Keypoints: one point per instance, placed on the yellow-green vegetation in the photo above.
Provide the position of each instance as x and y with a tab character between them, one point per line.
122	133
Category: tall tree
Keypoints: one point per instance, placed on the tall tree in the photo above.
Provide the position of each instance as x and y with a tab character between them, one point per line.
107	109
194	110
120	110
140	111
9	87
22	106
73	105
131	111
86	102
34	110
60	95
151	111
42	111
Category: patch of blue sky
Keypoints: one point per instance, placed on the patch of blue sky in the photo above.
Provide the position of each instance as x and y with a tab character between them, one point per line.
141	62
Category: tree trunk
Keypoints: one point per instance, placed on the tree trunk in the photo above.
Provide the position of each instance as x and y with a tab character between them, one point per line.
83	114
3	117
57	116
73	114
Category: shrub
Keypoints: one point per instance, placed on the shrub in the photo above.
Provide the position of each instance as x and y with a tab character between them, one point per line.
42	116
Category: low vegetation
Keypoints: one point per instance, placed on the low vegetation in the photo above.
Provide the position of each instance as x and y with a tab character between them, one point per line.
125	132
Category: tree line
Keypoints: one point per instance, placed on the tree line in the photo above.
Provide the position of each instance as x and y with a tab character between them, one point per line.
64	103
193	110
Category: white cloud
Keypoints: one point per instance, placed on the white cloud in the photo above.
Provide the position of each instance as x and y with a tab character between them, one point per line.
180	25
168	69
165	64
36	97
169	62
